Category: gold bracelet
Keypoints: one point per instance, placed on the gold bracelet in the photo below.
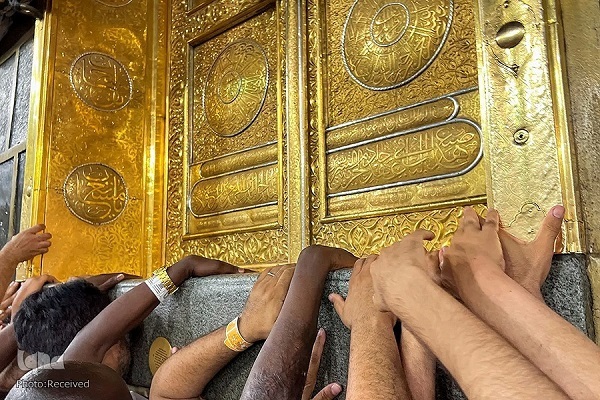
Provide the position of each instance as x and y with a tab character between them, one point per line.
165	279
233	338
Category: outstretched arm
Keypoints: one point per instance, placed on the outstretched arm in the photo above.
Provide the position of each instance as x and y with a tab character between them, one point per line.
374	356
22	247
483	363
185	374
8	346
280	369
559	350
130	309
419	364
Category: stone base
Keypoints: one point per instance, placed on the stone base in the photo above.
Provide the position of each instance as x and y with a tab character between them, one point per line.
203	305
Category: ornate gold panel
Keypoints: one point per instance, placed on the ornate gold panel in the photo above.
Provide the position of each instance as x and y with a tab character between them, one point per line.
94	180
226	195
395	129
234	85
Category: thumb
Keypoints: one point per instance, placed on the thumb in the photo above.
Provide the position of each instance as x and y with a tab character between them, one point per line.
329	392
111	282
338	303
551	227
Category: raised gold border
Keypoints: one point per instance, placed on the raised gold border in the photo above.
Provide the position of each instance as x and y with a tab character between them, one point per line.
525	179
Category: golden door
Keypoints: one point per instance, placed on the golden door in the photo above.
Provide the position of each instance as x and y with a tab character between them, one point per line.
261	127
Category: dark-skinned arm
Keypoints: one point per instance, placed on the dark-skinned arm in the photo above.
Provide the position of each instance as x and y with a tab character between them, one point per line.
130	309
8	346
280	369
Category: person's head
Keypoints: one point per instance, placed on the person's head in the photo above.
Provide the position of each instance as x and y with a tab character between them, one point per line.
86	381
49	320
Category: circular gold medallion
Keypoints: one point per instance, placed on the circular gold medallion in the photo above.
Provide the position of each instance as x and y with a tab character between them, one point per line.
236	88
387	44
101	82
159	352
95	193
114	3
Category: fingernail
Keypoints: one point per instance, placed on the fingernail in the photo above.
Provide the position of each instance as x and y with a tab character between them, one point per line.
321	332
336	389
330	297
558	211
120	277
12	283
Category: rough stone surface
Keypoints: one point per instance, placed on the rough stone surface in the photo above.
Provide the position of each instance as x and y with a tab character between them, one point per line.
203	305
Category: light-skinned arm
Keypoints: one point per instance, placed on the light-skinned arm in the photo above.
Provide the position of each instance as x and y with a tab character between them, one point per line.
375	370
130	309
419	365
482	362
555	346
280	369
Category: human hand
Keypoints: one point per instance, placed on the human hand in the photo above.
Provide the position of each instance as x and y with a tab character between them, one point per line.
528	263
330	258
330	391
264	303
6	304
29	287
359	306
105	282
398	264
26	245
475	247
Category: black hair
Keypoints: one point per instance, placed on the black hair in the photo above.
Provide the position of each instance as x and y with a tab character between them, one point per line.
48	321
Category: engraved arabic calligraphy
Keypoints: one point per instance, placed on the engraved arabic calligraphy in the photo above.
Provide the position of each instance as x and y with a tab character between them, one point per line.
236	88
95	193
387	44
444	150
101	82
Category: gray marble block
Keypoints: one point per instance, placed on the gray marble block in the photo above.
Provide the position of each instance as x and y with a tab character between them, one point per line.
203	305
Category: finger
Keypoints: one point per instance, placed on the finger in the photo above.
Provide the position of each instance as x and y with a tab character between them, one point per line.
50	279
338	303
44	236
111	282
358	265
226	268
275	270
492	221
420	235
44	245
263	275
284	277
343	258
7	302
12	289
470	219
330	392
551	227
369	260
36	228
315	362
